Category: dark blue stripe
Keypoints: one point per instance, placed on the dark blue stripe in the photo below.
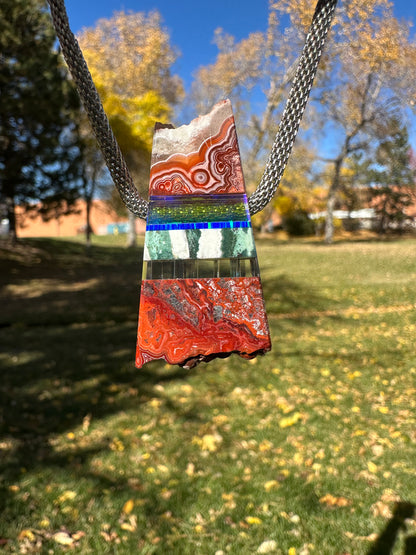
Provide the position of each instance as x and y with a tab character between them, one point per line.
198	225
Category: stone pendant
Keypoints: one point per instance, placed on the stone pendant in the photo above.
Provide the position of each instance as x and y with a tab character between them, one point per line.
201	295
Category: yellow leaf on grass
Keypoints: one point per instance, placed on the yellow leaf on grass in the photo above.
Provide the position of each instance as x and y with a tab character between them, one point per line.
271	484
372	467
26	535
210	442
67	495
190	469
63	538
199	528
268	546
331	501
130	526
128	506
379	508
265	445
290	420
253	520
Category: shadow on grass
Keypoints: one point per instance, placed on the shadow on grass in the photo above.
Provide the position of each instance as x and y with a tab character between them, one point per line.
385	542
68	337
68	322
284	295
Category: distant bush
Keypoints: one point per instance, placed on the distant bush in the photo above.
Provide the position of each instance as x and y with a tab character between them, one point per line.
298	224
351	224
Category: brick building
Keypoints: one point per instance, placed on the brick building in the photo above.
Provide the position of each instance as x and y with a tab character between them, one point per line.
104	220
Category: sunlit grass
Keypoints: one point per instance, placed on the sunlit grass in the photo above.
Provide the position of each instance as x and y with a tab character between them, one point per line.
305	450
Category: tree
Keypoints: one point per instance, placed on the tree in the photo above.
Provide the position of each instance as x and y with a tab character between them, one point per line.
255	72
39	150
393	179
371	77
368	70
94	172
136	85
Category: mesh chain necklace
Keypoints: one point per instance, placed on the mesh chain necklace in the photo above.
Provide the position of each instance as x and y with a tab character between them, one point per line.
201	294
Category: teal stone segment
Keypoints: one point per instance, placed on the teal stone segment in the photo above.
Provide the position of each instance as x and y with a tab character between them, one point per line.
158	246
238	243
193	236
199	244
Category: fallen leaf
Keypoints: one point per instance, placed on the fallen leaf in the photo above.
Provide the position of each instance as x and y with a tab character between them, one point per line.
110	536
190	469
390	496
128	506
290	420
67	495
381	509
331	501
253	520
76	536
63	538
271	484
268	546
129	527
210	442
26	535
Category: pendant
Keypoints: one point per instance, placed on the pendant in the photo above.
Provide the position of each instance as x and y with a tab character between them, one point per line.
201	295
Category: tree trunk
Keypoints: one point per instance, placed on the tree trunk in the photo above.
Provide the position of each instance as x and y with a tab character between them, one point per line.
88	222
329	221
131	234
11	216
330	204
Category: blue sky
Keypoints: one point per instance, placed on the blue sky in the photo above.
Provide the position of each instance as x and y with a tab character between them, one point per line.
191	23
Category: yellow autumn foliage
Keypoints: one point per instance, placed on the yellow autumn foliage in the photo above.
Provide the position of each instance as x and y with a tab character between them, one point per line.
131	71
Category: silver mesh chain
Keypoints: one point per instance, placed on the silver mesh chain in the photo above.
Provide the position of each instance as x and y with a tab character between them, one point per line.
285	137
295	106
95	112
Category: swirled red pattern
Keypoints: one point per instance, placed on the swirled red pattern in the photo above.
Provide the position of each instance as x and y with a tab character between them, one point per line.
215	168
188	320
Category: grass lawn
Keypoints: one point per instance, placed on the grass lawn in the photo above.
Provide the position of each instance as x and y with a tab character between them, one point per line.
307	450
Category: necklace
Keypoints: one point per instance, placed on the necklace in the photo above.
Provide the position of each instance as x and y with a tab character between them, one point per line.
201	295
